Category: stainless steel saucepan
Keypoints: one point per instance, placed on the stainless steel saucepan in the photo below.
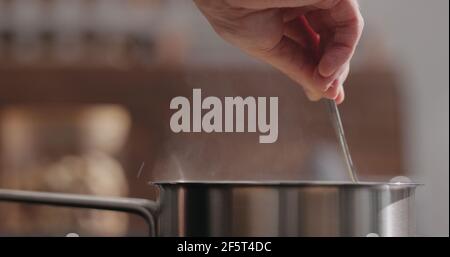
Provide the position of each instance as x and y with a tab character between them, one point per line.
276	208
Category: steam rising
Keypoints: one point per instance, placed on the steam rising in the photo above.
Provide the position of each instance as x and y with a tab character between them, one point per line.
305	138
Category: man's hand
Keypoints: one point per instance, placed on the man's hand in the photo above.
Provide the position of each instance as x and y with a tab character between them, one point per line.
272	31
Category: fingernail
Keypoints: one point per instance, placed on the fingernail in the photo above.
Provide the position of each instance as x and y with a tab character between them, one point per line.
324	83
326	72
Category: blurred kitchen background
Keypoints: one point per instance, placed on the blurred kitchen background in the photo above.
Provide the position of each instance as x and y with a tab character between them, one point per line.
85	87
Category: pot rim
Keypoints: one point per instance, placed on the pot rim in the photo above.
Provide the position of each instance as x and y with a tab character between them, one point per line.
283	183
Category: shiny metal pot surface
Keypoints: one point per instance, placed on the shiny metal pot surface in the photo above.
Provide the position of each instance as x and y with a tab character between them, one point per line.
242	208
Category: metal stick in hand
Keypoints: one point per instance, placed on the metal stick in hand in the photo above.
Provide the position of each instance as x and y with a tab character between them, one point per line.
314	45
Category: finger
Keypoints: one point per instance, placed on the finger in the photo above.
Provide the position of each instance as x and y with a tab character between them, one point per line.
303	35
319	20
324	83
334	89
266	4
294	31
344	75
341	96
348	25
290	58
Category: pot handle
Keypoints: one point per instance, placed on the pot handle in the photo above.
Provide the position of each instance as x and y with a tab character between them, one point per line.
147	209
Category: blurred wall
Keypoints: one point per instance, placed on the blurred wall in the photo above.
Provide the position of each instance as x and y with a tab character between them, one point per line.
416	34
